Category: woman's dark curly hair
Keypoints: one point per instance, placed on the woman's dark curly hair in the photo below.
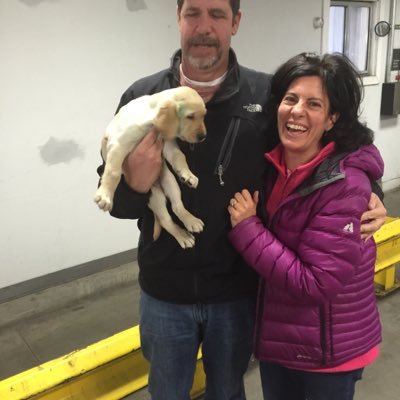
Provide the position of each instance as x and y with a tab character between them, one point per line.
235	5
343	86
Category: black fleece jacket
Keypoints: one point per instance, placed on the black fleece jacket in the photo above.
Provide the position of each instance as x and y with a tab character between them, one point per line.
229	160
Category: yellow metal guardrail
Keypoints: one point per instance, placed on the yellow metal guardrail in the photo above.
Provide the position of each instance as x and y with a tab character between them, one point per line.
114	368
387	257
110	369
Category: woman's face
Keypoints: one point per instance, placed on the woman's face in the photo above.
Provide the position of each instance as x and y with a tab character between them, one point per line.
303	117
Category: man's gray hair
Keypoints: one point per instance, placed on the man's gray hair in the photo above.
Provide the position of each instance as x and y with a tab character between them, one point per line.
235	5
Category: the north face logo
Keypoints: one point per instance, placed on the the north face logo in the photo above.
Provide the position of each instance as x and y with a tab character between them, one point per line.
253	108
348	228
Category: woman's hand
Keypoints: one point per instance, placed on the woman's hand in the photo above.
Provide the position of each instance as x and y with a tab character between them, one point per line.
374	218
142	166
243	205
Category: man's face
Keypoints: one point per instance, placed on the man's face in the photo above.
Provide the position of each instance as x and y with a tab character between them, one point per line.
206	28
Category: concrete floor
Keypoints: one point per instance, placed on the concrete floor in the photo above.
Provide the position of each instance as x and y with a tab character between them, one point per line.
28	342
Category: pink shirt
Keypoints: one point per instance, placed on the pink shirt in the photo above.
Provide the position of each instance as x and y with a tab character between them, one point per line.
356	363
287	181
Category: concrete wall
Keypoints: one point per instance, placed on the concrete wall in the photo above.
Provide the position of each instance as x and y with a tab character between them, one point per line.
64	65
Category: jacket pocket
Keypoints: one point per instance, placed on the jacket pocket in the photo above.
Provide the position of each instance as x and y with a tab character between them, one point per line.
323	341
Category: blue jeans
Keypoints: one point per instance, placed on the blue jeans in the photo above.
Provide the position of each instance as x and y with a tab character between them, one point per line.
170	337
280	383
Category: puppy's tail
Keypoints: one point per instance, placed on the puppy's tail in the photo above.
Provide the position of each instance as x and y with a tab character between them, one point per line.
157	228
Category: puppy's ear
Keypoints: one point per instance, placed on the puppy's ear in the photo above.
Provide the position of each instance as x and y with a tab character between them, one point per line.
166	120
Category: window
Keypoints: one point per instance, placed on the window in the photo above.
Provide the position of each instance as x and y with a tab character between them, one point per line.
350	27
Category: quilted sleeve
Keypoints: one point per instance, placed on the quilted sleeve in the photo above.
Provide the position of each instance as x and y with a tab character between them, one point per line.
328	250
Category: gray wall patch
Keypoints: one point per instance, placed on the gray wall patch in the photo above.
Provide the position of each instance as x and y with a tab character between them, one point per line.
57	151
136	5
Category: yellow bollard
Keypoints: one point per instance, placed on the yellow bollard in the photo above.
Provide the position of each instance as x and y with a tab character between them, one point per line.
387	257
108	370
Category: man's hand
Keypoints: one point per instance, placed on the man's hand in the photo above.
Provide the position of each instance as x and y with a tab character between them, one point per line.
142	165
243	205
374	218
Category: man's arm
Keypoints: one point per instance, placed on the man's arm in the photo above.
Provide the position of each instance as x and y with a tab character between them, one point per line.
142	166
374	218
141	169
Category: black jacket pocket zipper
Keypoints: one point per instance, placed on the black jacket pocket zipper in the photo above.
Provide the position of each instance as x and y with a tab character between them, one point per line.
224	156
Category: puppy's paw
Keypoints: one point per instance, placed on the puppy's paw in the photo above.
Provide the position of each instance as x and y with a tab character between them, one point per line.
188	178
193	224
103	199
184	238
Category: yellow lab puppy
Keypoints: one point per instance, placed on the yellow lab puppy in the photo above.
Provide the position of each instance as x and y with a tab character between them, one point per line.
175	113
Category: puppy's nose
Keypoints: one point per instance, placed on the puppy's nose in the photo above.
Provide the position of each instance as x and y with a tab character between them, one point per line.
200	136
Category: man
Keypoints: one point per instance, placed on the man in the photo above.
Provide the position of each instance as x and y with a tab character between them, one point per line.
204	295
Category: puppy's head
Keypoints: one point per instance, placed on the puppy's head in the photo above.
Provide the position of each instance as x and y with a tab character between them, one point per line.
166	121
182	116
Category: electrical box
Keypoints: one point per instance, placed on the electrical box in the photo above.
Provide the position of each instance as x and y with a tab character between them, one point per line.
390	104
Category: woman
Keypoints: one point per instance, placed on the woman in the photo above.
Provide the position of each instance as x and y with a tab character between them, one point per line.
317	321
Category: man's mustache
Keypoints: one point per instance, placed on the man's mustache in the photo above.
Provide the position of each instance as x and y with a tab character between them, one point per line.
203	41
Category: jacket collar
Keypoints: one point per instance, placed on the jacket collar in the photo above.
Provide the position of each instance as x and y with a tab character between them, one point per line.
325	168
276	156
228	88
327	172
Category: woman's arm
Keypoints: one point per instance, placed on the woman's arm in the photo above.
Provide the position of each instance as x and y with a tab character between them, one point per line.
326	256
374	218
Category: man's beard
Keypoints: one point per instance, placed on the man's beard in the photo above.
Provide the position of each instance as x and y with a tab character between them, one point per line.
206	62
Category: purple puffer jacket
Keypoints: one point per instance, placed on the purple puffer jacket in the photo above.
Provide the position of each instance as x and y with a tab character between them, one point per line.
316	305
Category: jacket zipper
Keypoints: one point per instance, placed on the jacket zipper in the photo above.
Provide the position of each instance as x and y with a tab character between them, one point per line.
224	156
259	315
322	333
